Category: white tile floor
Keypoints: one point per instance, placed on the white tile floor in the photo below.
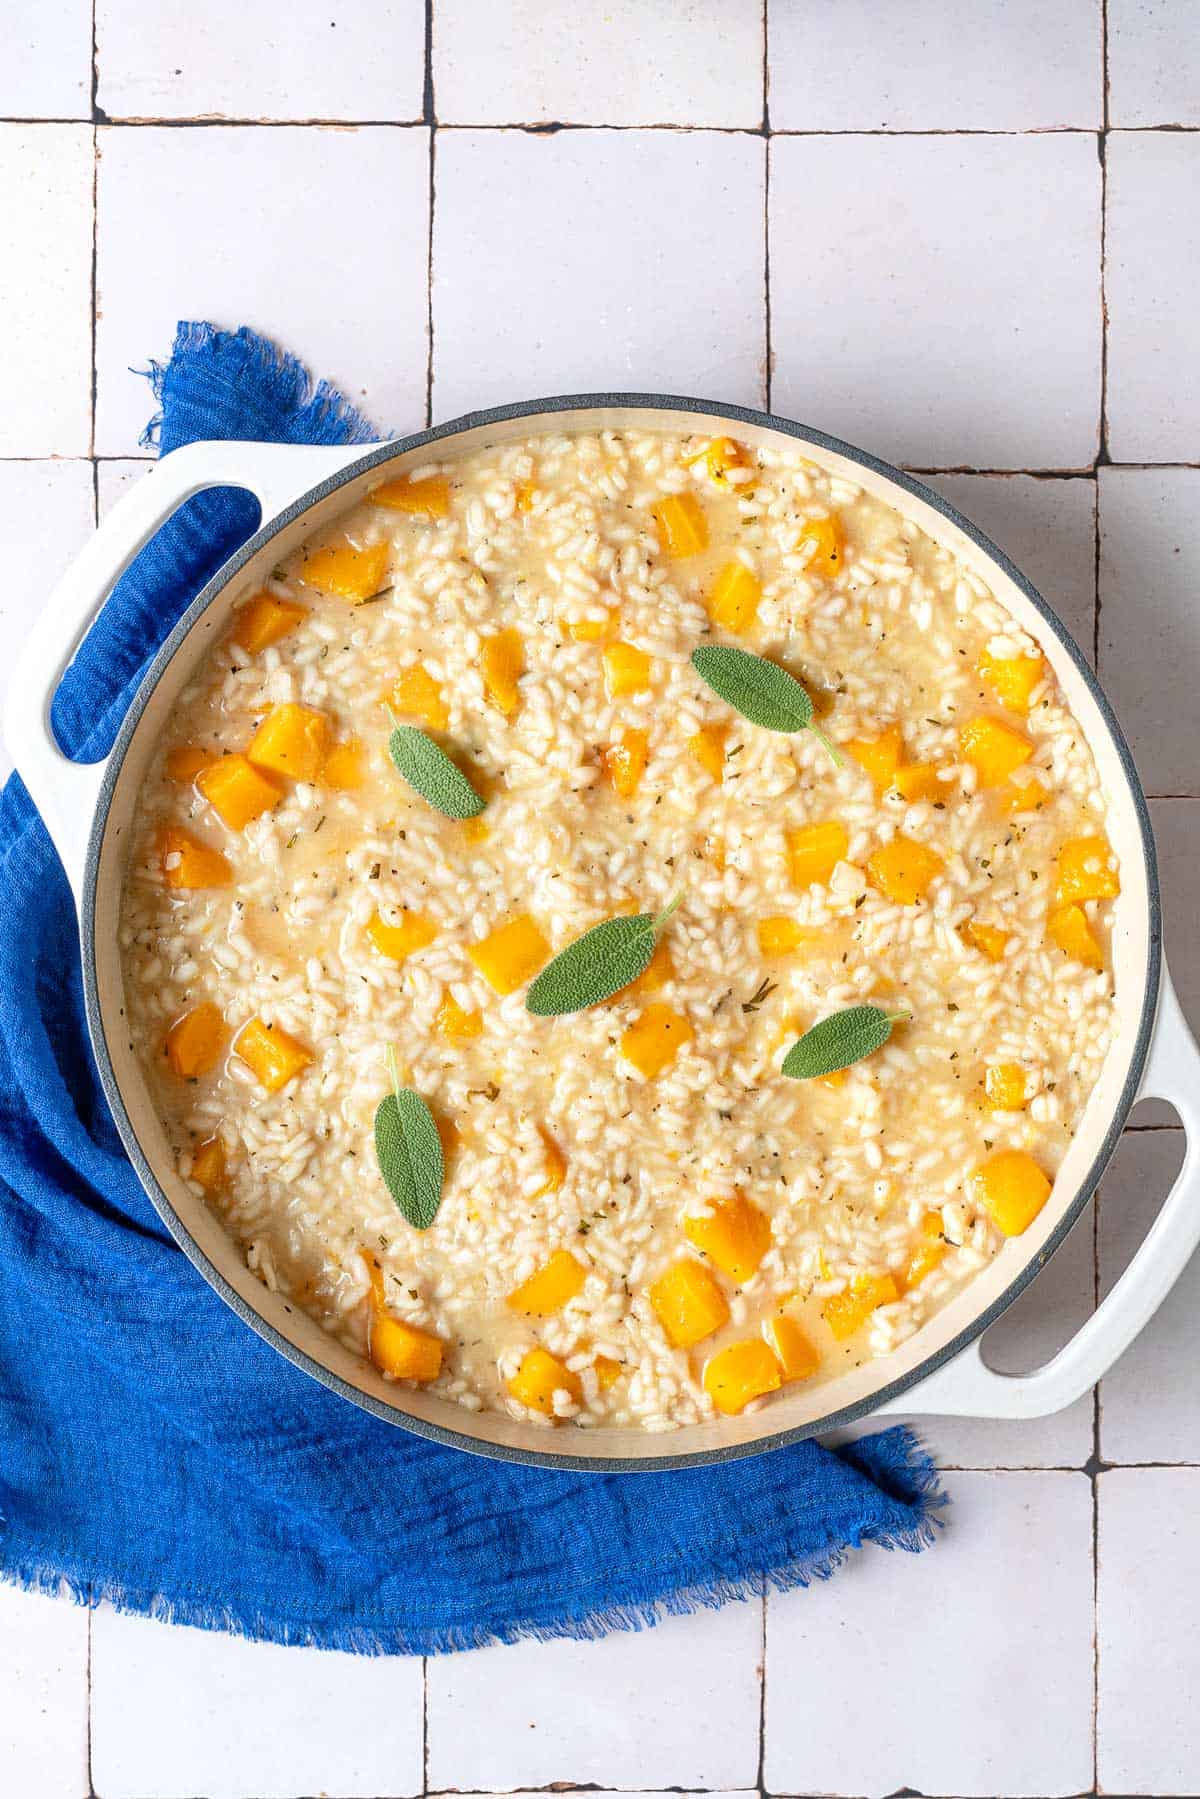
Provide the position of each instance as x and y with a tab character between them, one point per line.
889	221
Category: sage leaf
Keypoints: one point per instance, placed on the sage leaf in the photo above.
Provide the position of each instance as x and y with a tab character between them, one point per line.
840	1040
409	1152
760	690
430	770
597	965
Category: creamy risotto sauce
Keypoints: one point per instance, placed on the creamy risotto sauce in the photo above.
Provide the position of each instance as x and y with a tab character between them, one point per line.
642	1220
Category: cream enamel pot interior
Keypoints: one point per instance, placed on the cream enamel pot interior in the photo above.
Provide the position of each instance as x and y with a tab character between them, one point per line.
88	811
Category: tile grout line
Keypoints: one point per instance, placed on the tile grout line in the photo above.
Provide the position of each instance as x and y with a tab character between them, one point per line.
544	128
768	349
429	118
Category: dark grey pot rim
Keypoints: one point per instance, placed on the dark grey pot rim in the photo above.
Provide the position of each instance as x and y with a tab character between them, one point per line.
566	404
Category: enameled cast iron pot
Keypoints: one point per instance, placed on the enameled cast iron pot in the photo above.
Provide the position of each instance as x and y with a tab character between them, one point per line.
88	810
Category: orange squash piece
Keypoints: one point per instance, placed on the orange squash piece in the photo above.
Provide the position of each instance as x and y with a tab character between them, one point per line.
626	670
739	1373
719	455
292	741
271	1053
1004	1086
707	748
343	769
928	1252
511	955
417	695
455	1025
552	1286
1021	796
1012	1188
208	1164
682	525
556	1164
734	1235
188	863
995	751
608	1372
688	1303
814	851
788	1343
845	1313
1084	872
733	602
588	630
341	568
625	762
918	781
502	660
429	498
903	869
237	791
655	1038
194	1042
525	496
399	941
989	939
829	545
186	761
878	756
1070	930
264	620
1012	678
539	1377
782	936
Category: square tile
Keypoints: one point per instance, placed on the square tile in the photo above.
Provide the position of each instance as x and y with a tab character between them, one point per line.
678	62
46	516
910	73
1153	398
46	174
178	1712
43	1696
115	477
673	1706
173	61
1147	1723
609	260
1149	1403
281	228
1153	62
937	299
46	72
1034	1328
1048	527
964	1670
1149	621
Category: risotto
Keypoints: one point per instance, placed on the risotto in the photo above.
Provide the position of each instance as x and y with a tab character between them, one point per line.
463	729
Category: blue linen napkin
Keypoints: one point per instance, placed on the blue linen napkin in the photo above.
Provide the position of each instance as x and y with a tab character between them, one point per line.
153	1451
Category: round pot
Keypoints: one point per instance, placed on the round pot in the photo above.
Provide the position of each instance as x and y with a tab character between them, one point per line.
88	810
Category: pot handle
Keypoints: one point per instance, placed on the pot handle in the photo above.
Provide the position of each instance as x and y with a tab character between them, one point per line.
66	792
967	1387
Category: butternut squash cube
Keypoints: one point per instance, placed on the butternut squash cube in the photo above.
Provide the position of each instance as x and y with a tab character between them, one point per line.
989	939
688	1303
928	1251
525	496
658	971
455	1025
292	741
186	862
399	941
589	630
845	1313
782	936
556	1164
995	751
417	695
814	851
682	525
719	455
903	869
551	1287
878	756
626	670
1070	930
343	770
734	1235
625	762
430	497
503	663
208	1164
475	831
1012	1188
186	761
786	1339
1085	872
829	545
707	748
608	1372
654	1039
341	568
1012	678
264	620
271	1053
539	1377
739	1373
733	602
918	781
1004	1086
237	791
402	1351
1021	796
511	955
194	1042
